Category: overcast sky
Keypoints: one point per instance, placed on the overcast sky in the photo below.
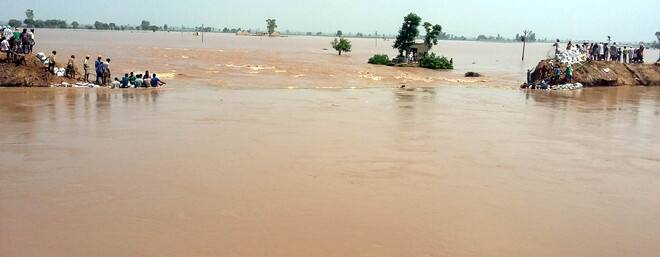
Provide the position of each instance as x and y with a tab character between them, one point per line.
594	20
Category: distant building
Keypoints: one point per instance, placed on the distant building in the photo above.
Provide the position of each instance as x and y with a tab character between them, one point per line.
242	33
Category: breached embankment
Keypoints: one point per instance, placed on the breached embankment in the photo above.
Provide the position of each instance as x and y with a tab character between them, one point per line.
31	73
601	74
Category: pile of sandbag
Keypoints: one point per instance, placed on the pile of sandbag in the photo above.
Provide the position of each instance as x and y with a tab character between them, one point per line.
64	84
78	85
570	86
572	56
43	58
59	71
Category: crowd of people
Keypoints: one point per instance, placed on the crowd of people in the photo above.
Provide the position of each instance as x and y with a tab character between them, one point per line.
103	75
16	42
608	52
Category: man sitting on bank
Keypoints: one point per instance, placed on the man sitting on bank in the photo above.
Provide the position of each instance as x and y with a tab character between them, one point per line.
156	82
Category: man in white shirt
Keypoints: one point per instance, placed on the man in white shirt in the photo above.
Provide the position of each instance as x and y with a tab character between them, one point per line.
31	38
7	33
4	47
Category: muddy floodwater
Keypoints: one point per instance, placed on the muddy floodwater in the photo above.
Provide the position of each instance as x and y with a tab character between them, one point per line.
205	169
230	61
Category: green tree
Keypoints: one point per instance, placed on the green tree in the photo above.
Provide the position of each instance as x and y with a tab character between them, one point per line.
432	34
407	34
145	25
271	24
29	18
112	26
165	27
29	13
29	22
101	26
339	33
341	45
14	23
75	24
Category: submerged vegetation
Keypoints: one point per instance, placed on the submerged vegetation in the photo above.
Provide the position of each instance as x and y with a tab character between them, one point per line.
381	59
432	61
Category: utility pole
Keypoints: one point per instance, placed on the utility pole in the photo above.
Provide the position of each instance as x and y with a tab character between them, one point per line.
524	39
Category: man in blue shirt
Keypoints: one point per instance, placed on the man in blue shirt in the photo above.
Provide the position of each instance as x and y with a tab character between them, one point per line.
98	65
156	82
124	81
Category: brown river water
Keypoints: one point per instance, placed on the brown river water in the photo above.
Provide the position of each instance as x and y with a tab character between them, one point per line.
205	168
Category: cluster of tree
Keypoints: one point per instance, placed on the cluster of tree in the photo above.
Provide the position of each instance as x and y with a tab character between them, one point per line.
228	30
146	25
531	37
409	32
204	29
29	21
452	37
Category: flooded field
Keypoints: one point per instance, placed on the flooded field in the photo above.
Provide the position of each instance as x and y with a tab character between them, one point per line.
205	168
233	61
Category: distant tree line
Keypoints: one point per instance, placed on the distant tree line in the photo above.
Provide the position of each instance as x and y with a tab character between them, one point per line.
530	38
233	30
145	25
31	22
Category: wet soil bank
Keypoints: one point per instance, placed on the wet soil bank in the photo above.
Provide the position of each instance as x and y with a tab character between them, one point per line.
602	74
31	73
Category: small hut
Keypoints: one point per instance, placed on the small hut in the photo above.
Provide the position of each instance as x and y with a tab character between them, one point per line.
419	50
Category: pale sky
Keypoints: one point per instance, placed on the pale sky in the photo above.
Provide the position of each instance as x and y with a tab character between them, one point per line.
592	20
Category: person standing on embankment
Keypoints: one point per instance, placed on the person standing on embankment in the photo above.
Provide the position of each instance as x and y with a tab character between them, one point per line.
98	65
86	69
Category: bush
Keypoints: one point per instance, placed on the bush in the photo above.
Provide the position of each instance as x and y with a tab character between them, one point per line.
434	62
381	59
